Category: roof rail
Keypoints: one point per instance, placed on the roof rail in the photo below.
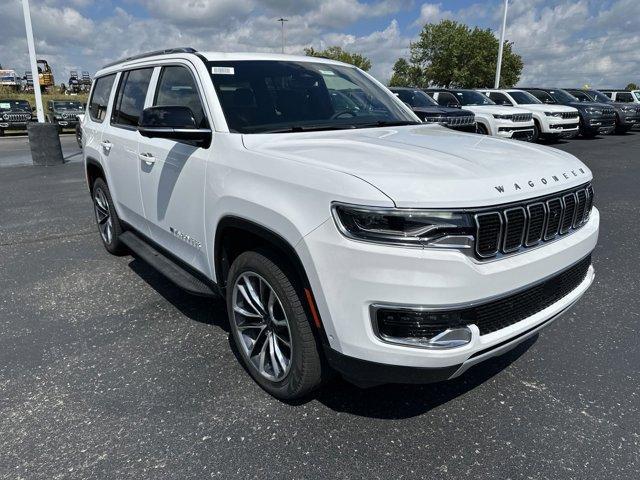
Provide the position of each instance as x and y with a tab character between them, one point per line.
153	54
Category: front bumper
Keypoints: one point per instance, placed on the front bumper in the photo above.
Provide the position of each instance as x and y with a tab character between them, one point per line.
13	125
516	132
599	124
347	277
630	120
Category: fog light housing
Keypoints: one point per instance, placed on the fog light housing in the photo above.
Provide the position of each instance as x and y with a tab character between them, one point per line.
420	328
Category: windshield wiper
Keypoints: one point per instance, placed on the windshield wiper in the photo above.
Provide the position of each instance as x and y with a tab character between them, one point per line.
386	123
306	128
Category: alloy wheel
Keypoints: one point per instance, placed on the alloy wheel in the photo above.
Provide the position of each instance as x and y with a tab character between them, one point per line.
103	215
261	324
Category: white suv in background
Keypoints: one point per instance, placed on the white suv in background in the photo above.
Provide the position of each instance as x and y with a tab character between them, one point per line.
343	233
491	119
550	121
623	96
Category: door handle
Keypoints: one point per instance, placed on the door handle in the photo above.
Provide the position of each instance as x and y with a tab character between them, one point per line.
147	158
106	146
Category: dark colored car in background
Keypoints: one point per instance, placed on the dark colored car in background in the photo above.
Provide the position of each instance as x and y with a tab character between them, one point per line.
64	113
430	111
14	115
627	114
595	118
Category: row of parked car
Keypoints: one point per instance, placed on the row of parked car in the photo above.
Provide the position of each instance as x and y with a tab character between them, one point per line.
529	114
16	114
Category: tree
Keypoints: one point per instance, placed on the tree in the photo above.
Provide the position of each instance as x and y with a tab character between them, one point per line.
337	53
632	86
406	74
451	54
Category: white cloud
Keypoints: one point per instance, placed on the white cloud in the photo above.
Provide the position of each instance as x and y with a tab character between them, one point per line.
567	42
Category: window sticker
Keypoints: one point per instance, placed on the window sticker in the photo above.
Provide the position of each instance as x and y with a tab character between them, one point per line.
5	105
326	72
223	70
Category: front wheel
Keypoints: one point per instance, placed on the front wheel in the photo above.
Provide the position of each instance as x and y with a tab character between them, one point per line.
107	219
482	129
270	327
536	132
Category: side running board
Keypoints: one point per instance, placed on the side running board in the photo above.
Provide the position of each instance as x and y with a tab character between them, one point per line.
166	266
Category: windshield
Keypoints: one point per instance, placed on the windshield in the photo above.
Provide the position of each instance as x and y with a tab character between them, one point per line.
6	105
524	98
67	105
637	94
543	96
415	98
471	97
562	96
599	96
269	96
8	78
581	96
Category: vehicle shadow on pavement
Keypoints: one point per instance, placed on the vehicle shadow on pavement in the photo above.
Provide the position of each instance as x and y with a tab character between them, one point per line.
201	309
406	401
385	401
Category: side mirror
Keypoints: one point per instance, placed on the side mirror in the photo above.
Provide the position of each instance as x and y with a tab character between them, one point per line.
174	123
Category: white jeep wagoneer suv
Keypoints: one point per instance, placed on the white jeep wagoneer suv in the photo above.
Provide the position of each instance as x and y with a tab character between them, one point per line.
345	234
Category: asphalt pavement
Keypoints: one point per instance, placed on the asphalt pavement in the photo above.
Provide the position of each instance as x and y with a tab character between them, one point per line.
107	370
14	149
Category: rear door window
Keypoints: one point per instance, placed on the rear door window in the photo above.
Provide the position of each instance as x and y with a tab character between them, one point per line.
100	97
129	101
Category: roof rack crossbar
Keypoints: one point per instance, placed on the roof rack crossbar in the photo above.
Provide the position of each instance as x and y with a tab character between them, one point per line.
166	51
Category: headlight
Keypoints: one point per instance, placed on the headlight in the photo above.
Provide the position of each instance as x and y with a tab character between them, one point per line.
503	117
403	226
594	110
629	109
433	119
553	114
58	117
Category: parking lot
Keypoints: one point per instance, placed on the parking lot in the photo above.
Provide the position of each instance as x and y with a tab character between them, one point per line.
107	370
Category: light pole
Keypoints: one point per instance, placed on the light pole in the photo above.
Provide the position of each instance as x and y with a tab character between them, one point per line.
282	20
32	60
504	27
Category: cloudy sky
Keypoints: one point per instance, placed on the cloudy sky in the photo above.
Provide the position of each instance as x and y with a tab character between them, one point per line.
563	42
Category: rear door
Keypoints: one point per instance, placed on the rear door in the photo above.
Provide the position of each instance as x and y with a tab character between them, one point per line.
172	173
94	121
120	144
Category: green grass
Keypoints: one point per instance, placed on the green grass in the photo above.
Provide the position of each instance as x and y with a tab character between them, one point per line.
30	97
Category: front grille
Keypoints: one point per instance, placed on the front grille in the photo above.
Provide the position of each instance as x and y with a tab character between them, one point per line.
17	117
515	227
608	112
522	117
70	116
407	322
567	115
461	121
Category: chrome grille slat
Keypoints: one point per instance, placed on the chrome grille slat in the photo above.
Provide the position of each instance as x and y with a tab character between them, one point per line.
581	197
555	211
536	221
569	203
488	233
514	227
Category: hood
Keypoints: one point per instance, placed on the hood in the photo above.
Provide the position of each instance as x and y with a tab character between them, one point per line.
431	166
536	107
497	109
446	111
578	105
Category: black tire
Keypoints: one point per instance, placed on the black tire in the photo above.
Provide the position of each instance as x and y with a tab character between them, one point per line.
536	131
481	129
305	371
111	242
